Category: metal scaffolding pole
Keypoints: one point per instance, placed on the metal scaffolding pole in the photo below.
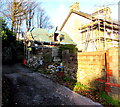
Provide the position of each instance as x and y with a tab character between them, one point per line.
104	35
98	34
98	31
112	34
91	38
87	38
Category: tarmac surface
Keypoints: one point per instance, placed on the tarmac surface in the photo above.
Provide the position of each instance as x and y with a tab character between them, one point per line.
25	87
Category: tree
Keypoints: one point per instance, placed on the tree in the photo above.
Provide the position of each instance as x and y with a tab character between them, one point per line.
30	14
8	37
16	11
10	47
43	20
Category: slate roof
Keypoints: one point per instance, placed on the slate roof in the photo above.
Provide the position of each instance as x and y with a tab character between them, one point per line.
40	35
67	39
43	35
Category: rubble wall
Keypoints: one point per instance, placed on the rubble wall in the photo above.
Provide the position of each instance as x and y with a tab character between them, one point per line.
44	54
69	61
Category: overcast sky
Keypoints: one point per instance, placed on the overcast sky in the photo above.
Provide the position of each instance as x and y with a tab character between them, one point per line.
58	10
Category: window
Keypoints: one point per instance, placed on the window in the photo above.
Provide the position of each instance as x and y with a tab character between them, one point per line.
55	36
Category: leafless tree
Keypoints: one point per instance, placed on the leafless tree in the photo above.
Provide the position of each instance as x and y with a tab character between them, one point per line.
30	13
43	20
16	11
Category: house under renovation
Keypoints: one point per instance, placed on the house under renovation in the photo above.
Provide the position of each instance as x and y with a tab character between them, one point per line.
91	32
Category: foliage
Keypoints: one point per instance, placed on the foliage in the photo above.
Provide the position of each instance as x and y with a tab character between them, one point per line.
11	47
43	71
95	95
80	87
108	99
8	37
68	79
72	48
57	63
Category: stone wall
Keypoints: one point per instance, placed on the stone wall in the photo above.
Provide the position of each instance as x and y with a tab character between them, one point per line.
40	56
48	55
12	54
69	61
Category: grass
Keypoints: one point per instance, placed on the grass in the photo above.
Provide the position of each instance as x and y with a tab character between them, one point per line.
96	95
109	99
80	87
44	71
66	81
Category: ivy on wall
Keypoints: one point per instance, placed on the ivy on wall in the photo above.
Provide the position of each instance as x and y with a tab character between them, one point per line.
72	49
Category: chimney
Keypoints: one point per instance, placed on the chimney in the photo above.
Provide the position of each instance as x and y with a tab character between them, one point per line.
75	6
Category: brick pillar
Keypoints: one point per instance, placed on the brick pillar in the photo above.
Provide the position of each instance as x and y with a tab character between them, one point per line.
108	71
112	70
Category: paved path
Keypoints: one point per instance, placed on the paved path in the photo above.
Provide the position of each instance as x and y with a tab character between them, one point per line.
32	88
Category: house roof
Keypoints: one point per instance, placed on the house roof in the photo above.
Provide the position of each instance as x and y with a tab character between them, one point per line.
88	16
67	39
43	35
40	35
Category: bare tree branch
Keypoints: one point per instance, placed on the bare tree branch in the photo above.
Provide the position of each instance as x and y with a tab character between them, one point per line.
43	21
17	11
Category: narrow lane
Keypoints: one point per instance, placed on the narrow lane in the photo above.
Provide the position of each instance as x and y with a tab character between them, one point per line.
32	88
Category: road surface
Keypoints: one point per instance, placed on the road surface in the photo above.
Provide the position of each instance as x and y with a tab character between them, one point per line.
25	87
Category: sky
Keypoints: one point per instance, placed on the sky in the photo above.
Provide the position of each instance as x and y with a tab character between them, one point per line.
58	10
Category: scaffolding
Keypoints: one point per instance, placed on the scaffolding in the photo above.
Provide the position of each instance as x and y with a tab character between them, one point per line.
106	28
